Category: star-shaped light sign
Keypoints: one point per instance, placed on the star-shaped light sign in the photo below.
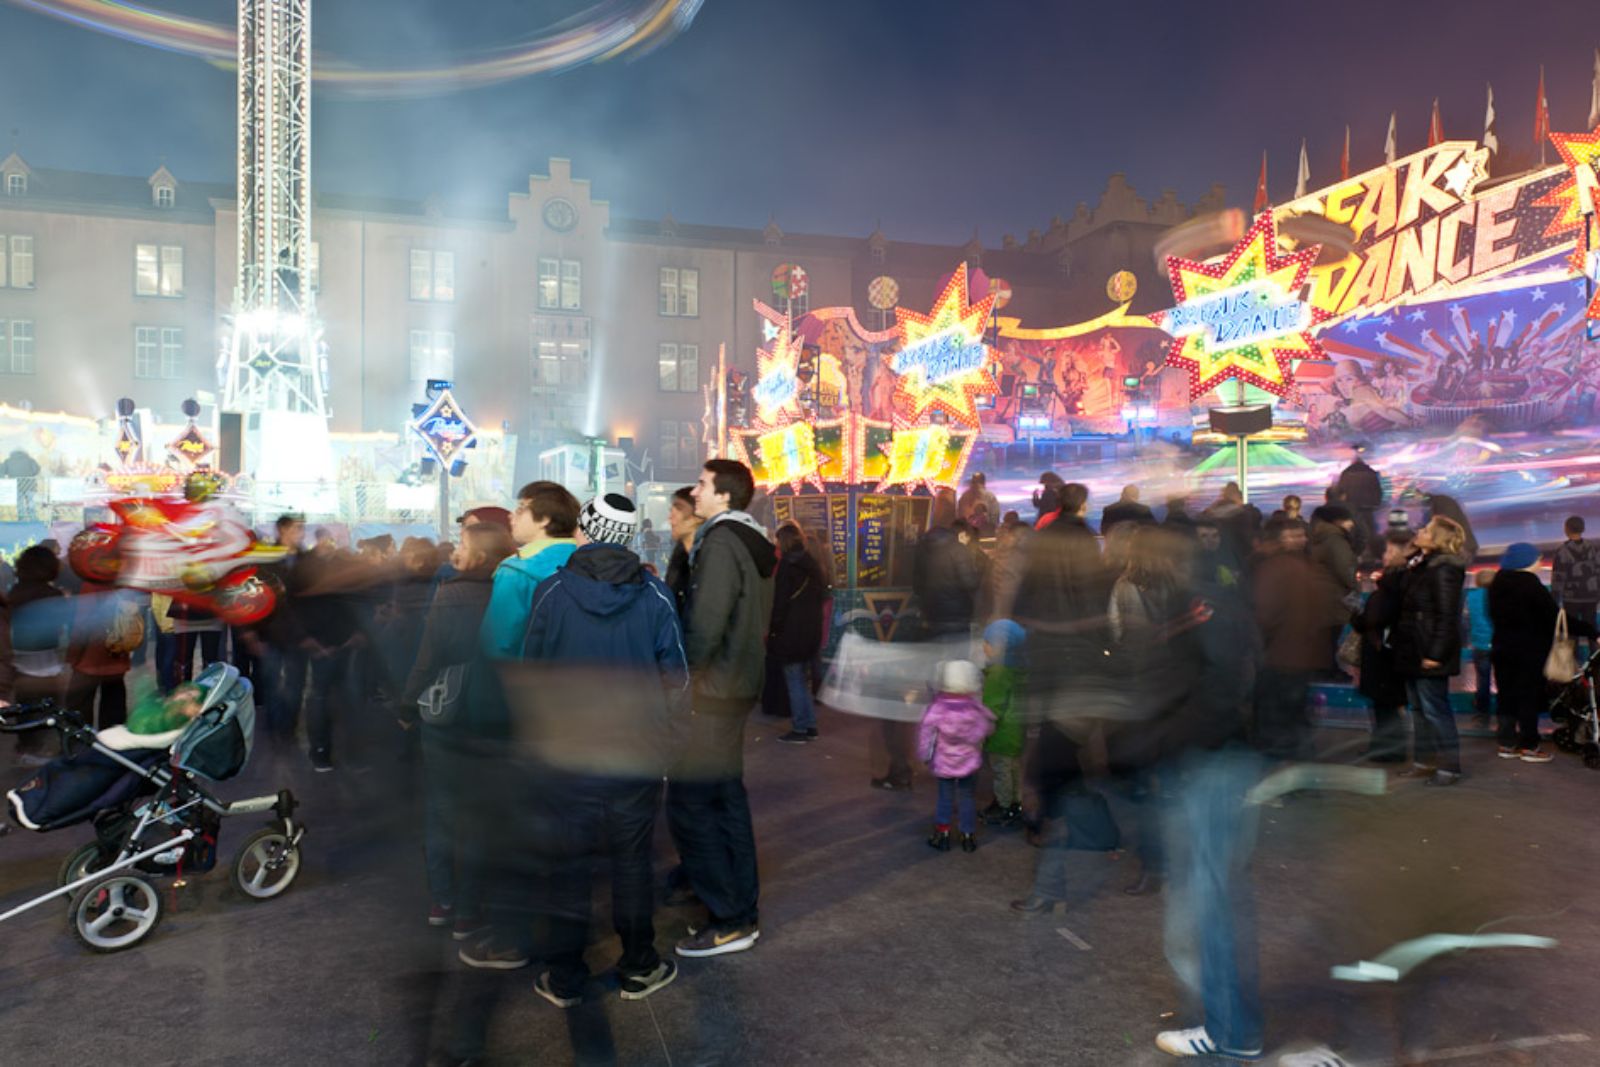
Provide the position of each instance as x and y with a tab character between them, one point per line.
445	428
1577	199
943	363
777	389
1243	318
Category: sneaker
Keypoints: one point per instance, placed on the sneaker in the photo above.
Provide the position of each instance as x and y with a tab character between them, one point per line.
541	986
1506	752
467	927
811	734
1416	770
639	986
1443	778
1196	1042
321	763
794	737
714	942
1534	755
441	915
939	839
485	955
969	843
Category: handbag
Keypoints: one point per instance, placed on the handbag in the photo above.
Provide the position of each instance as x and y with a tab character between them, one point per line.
440	703
1561	665
1350	650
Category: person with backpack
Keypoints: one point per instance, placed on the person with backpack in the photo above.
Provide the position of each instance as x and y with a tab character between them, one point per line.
1575	574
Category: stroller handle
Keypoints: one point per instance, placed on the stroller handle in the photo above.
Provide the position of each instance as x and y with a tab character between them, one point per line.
20	718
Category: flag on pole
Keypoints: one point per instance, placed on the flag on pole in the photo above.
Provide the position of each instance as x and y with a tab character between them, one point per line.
1435	125
1594	93
1541	119
1388	142
1303	175
1491	139
1261	187
1344	157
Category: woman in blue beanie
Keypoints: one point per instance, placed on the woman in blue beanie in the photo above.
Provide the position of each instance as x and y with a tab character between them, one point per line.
1524	616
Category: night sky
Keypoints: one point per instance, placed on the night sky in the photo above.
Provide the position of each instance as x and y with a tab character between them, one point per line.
934	116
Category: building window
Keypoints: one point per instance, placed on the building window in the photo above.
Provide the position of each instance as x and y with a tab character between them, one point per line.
16	184
158	352
560	285
17	356
561	363
158	270
171	351
433	275
433	354
679	368
166	196
680	292
679	445
17	272
314	266
885	318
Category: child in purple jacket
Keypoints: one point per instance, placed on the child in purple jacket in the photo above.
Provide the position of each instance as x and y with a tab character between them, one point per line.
951	744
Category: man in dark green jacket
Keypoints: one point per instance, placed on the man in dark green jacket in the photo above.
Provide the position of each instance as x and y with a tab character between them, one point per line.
731	563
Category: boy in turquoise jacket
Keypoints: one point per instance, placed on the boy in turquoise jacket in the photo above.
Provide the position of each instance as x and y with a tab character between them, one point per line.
543	524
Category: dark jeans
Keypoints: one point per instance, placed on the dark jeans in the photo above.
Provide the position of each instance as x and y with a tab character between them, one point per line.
954	791
175	655
802	711
1522	700
1581	613
1388	734
623	816
333	681
1283	725
113	694
452	873
708	812
1437	742
1483	669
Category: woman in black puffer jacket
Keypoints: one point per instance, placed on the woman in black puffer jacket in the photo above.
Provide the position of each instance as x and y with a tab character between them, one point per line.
795	632
449	639
1426	640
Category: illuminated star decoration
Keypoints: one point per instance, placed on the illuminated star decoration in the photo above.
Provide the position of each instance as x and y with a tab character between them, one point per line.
944	362
777	389
1576	197
1242	318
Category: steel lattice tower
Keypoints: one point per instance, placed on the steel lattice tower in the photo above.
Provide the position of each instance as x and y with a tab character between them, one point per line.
273	357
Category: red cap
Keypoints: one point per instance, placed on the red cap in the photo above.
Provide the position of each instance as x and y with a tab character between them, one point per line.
487	516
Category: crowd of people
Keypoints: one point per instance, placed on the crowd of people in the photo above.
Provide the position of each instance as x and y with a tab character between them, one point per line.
1171	657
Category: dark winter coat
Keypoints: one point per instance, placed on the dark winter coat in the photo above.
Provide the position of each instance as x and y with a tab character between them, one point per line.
1125	511
795	632
1379	682
1334	554
1524	617
1429	625
450	631
945	580
729	607
1361	485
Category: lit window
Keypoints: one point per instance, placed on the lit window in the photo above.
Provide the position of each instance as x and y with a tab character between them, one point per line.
559	363
680	292
433	275
158	270
16	184
549	284
21	272
571	285
166	196
679	368
21	346
433	354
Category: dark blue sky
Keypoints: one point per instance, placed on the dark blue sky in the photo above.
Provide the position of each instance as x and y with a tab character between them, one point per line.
933	115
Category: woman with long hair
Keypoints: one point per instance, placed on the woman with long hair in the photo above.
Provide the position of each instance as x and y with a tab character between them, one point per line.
1427	647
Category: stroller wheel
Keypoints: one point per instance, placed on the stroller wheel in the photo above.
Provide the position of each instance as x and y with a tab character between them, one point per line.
82	861
266	864
115	912
1563	739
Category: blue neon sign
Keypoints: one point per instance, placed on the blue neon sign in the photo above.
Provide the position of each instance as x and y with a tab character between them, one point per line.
943	356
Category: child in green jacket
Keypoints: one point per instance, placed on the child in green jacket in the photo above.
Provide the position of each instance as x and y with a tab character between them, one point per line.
1002	687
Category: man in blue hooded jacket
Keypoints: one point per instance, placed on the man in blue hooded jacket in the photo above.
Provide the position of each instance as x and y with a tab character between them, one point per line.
601	624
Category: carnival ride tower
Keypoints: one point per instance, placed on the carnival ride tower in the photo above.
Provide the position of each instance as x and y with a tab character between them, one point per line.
274	366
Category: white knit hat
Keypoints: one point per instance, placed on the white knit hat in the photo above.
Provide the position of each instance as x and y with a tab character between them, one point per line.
609	520
959	676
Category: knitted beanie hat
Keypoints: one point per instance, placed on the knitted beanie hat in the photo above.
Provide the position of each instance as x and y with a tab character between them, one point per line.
609	520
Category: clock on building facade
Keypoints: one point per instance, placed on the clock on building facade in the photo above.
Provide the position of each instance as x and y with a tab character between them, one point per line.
560	215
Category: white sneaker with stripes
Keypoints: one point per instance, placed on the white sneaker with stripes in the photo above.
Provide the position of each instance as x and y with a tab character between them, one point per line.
1196	1042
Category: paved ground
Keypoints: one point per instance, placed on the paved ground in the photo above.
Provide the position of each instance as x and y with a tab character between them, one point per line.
875	949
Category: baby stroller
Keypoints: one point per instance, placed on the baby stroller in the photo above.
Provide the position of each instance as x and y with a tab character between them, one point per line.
1576	713
151	816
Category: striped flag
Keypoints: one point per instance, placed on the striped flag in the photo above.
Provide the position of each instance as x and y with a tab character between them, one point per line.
1435	125
1491	139
1388	142
1303	175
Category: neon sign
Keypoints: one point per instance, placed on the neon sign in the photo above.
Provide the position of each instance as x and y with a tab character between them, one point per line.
1577	198
789	453
917	455
1242	318
944	365
445	428
777	388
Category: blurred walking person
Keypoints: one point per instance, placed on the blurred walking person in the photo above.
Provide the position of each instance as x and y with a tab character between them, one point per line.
795	632
1383	687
